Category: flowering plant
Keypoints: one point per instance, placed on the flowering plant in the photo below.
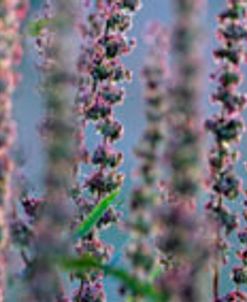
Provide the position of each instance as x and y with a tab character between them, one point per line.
61	243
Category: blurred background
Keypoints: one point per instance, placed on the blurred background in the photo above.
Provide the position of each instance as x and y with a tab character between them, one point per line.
28	111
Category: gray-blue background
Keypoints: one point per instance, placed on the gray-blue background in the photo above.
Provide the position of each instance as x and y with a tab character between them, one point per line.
28	104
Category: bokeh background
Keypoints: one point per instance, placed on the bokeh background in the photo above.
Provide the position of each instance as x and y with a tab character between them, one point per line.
28	111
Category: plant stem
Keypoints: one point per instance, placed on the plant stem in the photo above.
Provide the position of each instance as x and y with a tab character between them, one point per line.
216	277
12	14
50	231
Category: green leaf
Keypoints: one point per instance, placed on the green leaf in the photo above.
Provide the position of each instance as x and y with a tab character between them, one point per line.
135	286
81	264
155	273
93	218
35	27
143	288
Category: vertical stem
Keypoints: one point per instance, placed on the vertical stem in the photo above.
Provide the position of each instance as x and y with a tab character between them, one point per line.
216	274
145	198
184	147
11	14
184	155
51	238
227	126
216	281
104	40
216	269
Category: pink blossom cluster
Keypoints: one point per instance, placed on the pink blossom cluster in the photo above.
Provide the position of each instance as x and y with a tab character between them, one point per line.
180	240
12	13
101	74
81	47
184	143
227	127
44	228
146	194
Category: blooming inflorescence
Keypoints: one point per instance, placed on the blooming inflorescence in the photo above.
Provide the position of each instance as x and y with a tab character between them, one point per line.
170	241
100	77
179	240
12	13
227	127
146	195
49	238
184	147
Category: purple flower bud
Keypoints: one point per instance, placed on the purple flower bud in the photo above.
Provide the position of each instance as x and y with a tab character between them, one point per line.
242	235
239	275
233	296
31	205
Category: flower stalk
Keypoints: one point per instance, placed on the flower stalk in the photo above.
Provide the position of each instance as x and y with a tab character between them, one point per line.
50	238
101	74
146	195
12	14
227	128
180	239
184	147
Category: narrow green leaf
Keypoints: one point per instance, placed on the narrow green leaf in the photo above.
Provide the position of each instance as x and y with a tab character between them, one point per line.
81	264
143	288
35	27
93	218
155	273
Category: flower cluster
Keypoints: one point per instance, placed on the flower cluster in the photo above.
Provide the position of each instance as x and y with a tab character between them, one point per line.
184	147
22	231
100	77
81	47
46	222
12	13
227	127
239	272
181	243
234	296
146	195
